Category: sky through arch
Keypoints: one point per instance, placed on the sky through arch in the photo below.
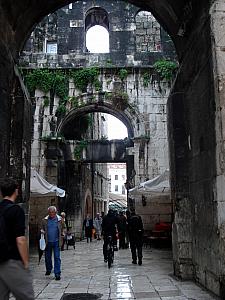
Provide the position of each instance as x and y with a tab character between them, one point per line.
97	39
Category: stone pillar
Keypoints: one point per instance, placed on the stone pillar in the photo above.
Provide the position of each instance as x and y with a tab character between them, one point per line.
217	13
20	139
182	226
6	79
194	137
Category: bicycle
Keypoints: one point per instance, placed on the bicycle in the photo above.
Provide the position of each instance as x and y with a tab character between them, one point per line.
110	251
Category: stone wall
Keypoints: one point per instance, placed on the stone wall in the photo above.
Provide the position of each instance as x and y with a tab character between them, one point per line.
67	29
197	176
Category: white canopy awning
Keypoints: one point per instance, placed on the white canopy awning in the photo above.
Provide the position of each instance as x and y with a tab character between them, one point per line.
159	184
117	201
38	185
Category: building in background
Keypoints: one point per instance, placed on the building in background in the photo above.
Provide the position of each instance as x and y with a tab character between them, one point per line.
117	175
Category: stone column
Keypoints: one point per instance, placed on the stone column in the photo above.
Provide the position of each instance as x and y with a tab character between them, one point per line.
6	80
217	13
194	137
182	226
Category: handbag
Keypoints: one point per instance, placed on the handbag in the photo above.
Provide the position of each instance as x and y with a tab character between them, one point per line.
42	243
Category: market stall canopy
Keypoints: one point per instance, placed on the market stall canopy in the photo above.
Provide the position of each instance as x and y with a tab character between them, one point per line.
117	201
157	185
38	185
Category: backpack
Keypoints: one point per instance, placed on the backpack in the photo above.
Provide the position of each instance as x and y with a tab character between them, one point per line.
4	244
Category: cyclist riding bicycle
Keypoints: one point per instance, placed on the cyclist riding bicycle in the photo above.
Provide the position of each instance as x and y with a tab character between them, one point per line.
109	223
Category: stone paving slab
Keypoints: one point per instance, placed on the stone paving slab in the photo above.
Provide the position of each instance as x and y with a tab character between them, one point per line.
84	271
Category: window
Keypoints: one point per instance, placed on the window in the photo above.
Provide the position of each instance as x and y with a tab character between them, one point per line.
97	31
116	177
97	40
51	47
71	6
116	188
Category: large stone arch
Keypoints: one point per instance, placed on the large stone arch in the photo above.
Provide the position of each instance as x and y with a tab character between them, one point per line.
196	121
131	119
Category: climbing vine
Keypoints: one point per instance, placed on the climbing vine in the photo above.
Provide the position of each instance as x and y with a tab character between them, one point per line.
46	101
165	68
80	146
47	80
86	76
123	73
146	79
119	99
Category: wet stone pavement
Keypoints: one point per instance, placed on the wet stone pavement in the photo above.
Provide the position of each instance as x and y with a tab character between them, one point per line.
86	276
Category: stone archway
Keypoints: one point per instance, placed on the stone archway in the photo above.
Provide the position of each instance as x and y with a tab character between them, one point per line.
131	119
88	206
196	120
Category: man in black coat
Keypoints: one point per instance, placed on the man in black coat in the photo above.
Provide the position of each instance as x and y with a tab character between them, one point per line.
135	230
14	273
88	226
109	223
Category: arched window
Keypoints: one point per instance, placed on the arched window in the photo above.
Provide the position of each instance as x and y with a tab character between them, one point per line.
97	40
147	33
97	31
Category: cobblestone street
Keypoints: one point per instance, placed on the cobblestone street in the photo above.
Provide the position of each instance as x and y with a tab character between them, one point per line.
83	271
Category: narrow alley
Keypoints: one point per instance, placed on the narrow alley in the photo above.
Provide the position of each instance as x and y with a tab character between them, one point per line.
85	274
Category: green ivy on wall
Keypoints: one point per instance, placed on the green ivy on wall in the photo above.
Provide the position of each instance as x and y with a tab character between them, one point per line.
123	73
46	101
81	145
46	80
146	79
86	76
165	68
119	99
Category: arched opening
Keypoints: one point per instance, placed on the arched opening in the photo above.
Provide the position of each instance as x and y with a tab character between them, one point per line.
88	206
191	107
97	39
148	35
97	31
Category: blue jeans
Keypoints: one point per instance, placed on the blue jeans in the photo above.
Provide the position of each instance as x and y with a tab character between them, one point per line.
48	257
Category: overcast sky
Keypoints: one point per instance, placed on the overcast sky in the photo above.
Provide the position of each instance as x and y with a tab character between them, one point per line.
116	129
97	39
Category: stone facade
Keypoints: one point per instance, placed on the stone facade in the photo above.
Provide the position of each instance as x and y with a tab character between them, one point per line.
132	92
195	118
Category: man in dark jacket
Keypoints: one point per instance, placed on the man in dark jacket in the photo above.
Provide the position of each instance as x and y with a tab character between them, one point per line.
109	223
122	229
88	226
135	229
14	274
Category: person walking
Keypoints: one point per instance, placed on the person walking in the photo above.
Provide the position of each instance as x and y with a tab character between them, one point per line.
127	241
64	229
14	273
98	226
109	224
52	227
88	226
122	229
135	229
